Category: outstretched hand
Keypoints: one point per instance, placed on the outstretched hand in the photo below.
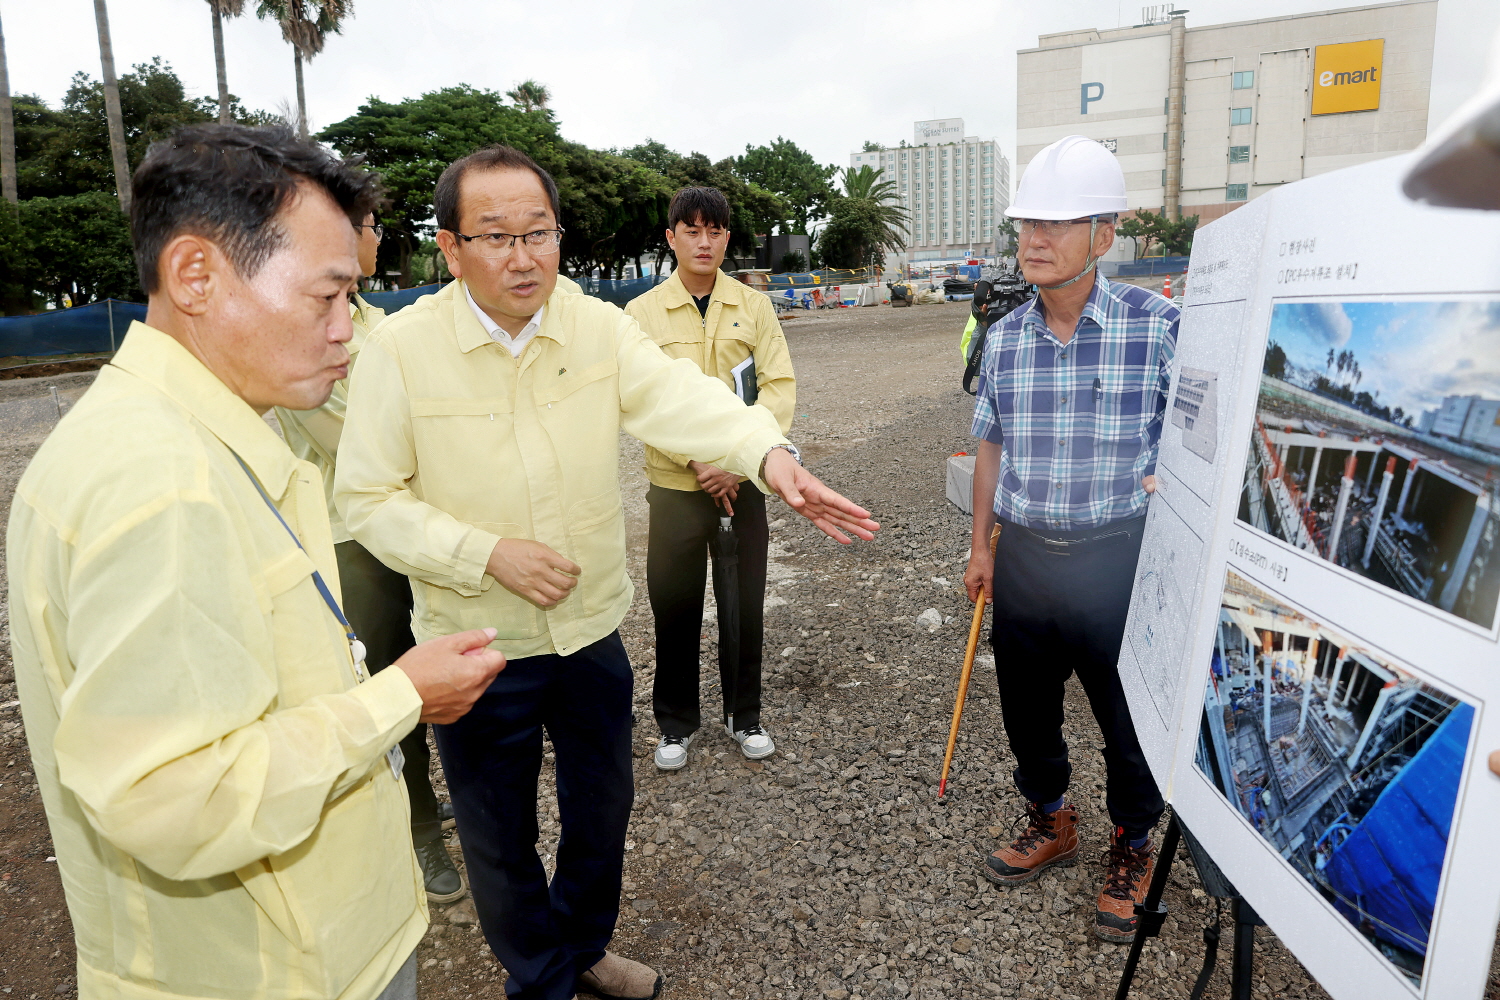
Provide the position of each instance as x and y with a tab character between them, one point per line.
805	493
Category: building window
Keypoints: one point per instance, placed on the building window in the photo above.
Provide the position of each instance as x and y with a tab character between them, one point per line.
1244	81
1239	154
1236	192
1164	177
1239	116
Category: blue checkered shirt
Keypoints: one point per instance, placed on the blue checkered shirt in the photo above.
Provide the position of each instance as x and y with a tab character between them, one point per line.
1079	423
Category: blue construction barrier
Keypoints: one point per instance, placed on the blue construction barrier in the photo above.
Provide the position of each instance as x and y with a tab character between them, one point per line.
400	298
90	329
1385	875
1147	266
619	292
100	326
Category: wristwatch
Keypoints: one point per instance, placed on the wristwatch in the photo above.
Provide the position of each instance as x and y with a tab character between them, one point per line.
795	452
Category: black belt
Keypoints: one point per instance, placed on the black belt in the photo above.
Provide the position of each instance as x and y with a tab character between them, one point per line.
1064	543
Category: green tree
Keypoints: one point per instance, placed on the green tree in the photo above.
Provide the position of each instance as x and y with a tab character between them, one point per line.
864	223
753	210
305	24
411	142
79	246
1148	228
871	146
530	96
789	172
17	264
1006	236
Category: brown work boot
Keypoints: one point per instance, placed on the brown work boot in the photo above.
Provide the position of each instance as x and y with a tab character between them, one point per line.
1050	840
1127	874
616	978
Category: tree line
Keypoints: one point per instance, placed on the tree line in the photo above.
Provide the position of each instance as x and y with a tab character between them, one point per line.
66	240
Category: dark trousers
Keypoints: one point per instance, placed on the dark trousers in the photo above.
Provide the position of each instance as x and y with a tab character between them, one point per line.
683	526
545	936
377	602
1058	615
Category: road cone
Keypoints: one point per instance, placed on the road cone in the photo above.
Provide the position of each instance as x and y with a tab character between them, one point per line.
1167	287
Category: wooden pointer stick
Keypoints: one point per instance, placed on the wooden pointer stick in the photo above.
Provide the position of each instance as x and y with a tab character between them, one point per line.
963	680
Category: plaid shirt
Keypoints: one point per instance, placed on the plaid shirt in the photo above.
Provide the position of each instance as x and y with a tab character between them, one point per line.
1079	422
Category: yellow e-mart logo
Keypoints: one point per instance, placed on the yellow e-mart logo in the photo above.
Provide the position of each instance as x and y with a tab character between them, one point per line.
1346	77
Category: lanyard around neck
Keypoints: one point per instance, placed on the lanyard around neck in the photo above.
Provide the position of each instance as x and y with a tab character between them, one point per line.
356	647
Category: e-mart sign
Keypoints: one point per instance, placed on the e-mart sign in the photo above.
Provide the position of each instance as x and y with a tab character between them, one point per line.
1346	77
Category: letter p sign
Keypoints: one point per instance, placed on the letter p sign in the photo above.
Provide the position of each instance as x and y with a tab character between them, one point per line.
1089	96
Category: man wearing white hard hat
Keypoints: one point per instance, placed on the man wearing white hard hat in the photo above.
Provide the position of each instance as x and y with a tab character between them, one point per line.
1459	167
1072	391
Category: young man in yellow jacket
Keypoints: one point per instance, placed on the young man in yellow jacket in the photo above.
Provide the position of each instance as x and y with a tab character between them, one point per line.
480	456
216	763
730	331
377	599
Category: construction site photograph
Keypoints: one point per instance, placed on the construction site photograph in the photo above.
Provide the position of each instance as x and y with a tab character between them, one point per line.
1376	445
1346	765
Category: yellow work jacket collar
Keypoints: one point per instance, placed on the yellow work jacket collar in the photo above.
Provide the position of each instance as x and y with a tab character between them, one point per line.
726	290
172	370
471	334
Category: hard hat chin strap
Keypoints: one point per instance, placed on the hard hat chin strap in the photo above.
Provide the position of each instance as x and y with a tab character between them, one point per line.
1088	266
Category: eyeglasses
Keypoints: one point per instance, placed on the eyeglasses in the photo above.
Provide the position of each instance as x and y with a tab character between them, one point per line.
379	231
1051	227
499	245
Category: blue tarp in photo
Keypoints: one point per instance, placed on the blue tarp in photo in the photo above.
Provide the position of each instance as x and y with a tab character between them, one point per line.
1386	873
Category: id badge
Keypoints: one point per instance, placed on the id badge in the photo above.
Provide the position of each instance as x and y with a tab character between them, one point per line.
396	759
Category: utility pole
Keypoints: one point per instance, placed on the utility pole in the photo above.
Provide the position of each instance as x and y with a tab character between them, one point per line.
7	132
112	106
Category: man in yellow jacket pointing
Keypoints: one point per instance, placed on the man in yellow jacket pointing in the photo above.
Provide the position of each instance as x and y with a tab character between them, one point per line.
480	457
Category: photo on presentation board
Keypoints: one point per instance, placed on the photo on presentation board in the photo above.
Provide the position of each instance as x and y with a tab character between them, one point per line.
1347	765
1376	445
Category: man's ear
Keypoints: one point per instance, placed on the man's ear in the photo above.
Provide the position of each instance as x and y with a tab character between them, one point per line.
190	270
672	239
1104	239
448	243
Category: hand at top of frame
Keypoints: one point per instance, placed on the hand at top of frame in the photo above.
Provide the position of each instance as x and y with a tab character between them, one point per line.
806	494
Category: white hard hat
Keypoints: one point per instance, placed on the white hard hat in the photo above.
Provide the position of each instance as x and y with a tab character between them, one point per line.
1073	178
1459	165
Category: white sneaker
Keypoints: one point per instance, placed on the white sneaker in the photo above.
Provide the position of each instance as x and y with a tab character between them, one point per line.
755	743
671	752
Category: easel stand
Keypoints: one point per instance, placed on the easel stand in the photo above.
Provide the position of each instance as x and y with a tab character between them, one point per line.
1152	914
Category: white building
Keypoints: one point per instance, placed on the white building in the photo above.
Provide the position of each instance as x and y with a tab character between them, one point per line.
955	188
1205	118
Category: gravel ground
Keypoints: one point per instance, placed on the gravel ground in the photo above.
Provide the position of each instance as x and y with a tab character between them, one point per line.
829	870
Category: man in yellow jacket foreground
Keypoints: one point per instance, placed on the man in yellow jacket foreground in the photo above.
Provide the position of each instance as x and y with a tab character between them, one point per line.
730	331
218	768
480	456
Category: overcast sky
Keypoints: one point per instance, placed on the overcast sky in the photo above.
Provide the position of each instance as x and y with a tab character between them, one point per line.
699	76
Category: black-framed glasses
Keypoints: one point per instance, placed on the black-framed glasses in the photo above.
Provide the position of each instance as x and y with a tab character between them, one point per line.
540	243
377	229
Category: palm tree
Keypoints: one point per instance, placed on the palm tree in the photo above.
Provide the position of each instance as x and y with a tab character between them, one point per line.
304	25
7	132
530	95
112	106
221	10
866	183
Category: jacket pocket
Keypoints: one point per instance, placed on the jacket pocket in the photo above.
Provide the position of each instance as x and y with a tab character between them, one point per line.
510	615
596	529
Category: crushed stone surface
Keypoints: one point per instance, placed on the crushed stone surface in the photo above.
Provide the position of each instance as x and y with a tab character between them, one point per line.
828	871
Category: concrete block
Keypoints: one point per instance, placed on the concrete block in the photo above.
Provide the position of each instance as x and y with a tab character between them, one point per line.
961	482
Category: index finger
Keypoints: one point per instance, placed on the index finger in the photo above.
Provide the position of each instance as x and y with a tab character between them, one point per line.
565	565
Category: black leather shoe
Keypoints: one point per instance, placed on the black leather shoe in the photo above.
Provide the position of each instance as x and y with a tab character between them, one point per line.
441	878
445	814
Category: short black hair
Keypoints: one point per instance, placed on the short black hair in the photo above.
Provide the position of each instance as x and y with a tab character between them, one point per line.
445	197
227	183
699	206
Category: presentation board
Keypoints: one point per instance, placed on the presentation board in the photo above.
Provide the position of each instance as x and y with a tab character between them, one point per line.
1312	643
